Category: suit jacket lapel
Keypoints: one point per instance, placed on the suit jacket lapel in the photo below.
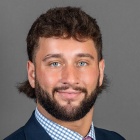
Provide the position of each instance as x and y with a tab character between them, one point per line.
34	131
99	135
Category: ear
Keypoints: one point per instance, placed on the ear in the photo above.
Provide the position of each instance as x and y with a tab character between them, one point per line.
31	73
101	70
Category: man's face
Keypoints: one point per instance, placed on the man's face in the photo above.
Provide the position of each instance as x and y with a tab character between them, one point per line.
67	75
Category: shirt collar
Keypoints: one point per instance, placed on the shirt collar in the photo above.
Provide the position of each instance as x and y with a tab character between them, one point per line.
57	131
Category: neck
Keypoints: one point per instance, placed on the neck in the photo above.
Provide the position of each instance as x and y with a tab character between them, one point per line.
81	126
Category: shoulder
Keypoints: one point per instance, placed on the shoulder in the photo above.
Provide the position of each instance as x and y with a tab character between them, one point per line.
17	135
107	135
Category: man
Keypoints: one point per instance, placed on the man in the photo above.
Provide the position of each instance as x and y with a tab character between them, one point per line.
65	76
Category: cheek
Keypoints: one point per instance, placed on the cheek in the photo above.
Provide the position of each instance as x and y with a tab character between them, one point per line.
90	78
47	79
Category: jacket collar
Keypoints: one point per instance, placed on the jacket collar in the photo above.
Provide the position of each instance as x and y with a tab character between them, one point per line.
98	134
34	131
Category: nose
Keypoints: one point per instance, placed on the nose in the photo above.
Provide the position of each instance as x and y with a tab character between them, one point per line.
70	75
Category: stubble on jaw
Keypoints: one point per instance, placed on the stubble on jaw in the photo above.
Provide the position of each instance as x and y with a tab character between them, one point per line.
68	112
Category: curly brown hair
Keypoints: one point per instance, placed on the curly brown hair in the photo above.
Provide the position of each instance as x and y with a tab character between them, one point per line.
62	22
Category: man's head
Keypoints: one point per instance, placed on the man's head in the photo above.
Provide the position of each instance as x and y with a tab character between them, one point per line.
65	67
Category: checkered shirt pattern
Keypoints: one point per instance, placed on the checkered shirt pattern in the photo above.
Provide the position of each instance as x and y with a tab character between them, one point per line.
58	132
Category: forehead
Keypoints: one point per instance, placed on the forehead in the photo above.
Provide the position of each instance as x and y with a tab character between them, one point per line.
67	47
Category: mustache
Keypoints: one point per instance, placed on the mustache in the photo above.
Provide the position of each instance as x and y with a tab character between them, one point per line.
76	88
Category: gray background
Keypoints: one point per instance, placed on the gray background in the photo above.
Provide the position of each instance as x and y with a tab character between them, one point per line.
118	108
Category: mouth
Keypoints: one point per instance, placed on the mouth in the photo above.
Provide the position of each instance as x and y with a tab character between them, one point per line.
69	94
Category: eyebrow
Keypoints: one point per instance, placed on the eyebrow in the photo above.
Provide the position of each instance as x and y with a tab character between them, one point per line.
85	55
48	56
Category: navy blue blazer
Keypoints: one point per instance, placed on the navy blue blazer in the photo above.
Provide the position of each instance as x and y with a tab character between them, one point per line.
32	130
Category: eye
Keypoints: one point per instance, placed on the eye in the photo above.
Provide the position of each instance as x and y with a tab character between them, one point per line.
82	63
55	64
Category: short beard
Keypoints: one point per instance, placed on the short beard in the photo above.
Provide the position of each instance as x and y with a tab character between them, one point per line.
69	113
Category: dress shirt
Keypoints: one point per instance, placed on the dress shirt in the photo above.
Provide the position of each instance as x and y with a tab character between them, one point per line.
58	132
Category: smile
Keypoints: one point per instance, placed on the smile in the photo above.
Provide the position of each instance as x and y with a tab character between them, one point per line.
69	94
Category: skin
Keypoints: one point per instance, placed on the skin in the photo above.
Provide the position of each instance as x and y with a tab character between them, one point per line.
62	62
